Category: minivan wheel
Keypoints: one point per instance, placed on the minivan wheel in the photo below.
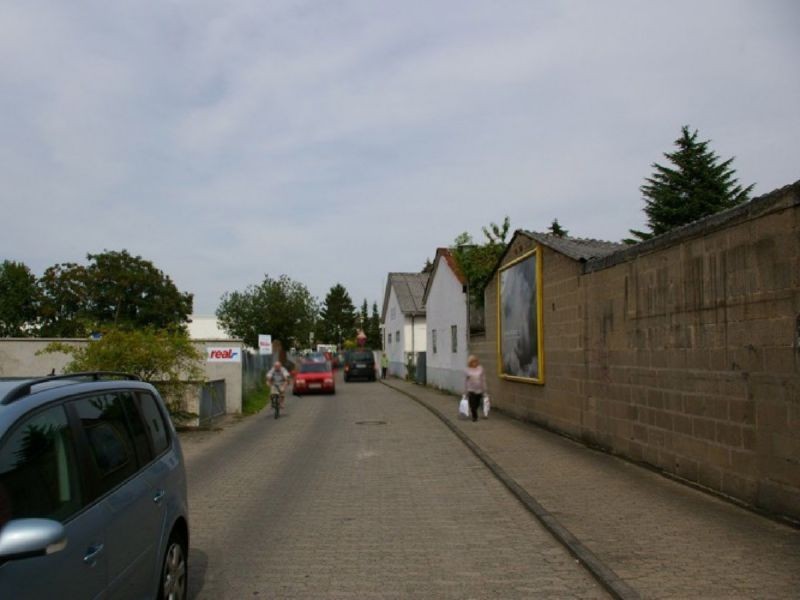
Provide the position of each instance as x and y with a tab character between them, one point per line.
173	573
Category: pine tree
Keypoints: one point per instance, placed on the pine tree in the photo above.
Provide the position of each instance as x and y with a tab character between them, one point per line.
338	317
374	339
697	186
557	230
363	316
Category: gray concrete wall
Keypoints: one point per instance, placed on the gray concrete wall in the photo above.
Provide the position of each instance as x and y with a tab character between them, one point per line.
19	357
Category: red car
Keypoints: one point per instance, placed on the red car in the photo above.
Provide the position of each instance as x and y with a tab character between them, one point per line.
314	377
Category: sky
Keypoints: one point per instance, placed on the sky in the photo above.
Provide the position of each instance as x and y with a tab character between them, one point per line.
336	141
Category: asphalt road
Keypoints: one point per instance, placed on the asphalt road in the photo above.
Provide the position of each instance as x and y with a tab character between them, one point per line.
364	494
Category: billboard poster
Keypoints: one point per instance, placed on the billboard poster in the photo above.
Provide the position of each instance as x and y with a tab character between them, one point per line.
519	343
264	343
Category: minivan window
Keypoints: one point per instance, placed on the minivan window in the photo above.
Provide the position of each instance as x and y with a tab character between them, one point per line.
38	474
110	441
154	422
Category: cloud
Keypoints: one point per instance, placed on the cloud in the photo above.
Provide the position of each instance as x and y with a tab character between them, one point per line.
336	142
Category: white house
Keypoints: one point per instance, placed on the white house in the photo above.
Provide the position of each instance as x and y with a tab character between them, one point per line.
447	318
403	319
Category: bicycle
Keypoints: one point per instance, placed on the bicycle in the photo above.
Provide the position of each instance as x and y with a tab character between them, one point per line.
276	403
276	397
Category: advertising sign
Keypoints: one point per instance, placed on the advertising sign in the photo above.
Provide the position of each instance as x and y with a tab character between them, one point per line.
264	343
223	354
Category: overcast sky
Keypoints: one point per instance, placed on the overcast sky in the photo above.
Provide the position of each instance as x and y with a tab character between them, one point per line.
335	141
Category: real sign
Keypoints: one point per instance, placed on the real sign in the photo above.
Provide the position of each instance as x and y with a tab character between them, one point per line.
264	343
224	354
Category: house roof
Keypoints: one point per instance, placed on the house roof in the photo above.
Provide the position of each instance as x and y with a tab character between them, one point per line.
409	289
582	249
447	256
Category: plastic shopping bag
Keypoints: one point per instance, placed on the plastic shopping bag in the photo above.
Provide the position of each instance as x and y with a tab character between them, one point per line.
463	408
487	405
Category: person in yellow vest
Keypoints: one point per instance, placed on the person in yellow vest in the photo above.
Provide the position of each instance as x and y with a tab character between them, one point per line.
384	365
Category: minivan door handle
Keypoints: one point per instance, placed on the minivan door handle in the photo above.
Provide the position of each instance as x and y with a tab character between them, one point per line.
159	496
92	553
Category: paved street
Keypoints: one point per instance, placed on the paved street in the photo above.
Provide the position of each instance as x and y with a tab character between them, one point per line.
365	494
657	537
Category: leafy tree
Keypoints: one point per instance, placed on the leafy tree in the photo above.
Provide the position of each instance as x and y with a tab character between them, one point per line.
281	307
129	291
338	316
116	289
696	186
18	299
373	331
477	261
557	230
64	306
496	234
166	358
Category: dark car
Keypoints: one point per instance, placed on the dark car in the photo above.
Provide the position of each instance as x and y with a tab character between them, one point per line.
93	499
359	364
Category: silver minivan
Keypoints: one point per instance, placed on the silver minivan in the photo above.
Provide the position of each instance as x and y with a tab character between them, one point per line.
93	496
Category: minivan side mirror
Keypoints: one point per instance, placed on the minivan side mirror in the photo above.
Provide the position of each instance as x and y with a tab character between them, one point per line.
24	538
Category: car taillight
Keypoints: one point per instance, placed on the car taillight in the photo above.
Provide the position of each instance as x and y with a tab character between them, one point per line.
328	380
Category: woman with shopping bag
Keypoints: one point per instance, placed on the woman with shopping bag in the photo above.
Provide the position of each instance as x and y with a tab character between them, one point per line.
474	385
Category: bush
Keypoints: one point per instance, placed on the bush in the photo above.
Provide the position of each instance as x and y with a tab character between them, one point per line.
167	359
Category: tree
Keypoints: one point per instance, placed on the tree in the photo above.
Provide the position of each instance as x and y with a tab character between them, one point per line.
129	291
363	316
477	261
282	308
64	302
374	338
337	317
166	358
18	299
557	230
116	289
696	186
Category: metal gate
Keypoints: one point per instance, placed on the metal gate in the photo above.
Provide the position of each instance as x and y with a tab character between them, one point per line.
212	401
420	375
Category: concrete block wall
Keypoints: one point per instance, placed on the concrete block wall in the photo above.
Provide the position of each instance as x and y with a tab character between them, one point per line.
683	353
19	358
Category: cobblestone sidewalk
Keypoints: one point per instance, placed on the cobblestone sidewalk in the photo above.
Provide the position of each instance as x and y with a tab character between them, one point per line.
641	534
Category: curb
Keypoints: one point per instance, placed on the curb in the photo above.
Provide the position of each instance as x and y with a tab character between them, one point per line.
604	575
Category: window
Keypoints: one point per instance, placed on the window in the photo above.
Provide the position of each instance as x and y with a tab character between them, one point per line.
110	439
454	338
390	338
433	340
397	336
38	476
154	421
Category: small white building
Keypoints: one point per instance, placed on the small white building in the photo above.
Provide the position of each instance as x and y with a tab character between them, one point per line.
446	301
205	327
403	320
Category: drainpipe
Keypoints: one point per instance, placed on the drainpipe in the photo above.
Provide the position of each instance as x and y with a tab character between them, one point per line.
413	343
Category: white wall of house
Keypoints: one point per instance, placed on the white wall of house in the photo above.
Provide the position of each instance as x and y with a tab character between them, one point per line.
416	334
395	322
446	308
411	331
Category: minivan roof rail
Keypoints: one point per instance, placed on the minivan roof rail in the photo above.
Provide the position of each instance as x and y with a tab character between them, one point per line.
24	389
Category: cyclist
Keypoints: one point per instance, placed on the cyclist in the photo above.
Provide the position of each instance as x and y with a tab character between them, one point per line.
278	380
